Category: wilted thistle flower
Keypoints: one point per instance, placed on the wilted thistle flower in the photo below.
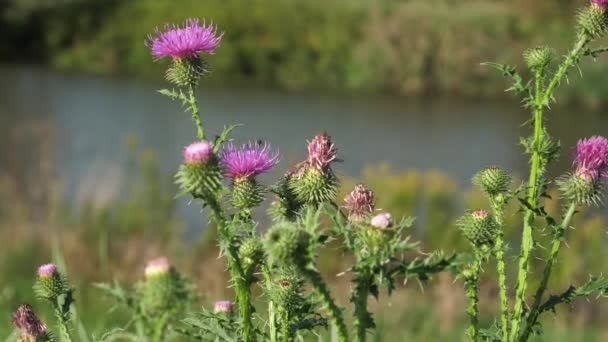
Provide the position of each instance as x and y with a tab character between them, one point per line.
479	228
28	323
184	45
50	283
382	221
223	306
493	180
359	203
313	180
242	165
200	174
591	164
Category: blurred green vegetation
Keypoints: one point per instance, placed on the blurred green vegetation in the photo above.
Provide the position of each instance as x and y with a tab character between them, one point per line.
408	47
109	235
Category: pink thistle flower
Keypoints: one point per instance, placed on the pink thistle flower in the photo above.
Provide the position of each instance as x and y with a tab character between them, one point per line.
223	306
157	266
603	4
47	270
186	41
591	158
360	201
198	152
26	320
248	161
382	221
480	214
321	151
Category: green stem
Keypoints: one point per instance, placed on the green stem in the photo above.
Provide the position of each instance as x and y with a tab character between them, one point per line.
555	247
195	113
473	295
334	311
500	267
362	316
63	319
272	324
286	331
160	327
537	169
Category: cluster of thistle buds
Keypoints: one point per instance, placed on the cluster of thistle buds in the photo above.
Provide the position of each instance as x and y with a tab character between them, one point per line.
584	185
32	329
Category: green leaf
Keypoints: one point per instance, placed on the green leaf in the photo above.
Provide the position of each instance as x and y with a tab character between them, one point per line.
224	137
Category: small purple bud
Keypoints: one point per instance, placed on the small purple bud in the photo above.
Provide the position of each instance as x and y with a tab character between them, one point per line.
359	202
321	151
47	270
382	221
223	306
26	320
198	152
157	266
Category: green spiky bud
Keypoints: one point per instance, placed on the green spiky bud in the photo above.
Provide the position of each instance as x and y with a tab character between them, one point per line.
479	228
581	189
538	57
592	21
286	243
50	283
493	180
286	206
246	193
185	72
285	289
200	174
251	252
313	185
163	288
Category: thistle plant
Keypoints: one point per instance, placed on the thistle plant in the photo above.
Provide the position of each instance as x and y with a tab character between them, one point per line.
54	288
32	329
583	187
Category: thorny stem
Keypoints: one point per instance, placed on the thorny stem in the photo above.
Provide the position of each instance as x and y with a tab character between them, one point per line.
334	311
498	208
63	318
359	298
472	285
286	331
195	113
555	246
541	101
272	324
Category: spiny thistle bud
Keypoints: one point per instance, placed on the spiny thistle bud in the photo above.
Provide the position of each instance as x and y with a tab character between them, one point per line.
479	228
285	243
312	185
50	284
242	166
382	221
493	180
157	267
224	307
591	161
200	173
359	203
592	20
163	288
285	289
251	252
185	72
538	57
32	329
321	151
286	206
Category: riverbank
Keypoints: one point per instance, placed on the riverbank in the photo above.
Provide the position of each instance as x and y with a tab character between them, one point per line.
413	48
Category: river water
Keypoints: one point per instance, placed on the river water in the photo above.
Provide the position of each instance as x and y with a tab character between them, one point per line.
92	116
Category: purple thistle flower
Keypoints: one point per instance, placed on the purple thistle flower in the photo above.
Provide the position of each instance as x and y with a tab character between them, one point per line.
157	266
382	221
248	161
198	152
26	320
591	158
360	201
321	151
224	306
603	4
47	270
186	41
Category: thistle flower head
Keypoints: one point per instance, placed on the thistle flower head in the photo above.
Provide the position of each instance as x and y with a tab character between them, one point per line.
223	306
591	158
382	221
47	270
248	161
603	4
198	152
493	180
157	266
321	151
187	41
28	323
359	202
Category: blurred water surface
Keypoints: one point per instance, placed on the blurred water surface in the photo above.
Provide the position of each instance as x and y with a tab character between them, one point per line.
93	116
